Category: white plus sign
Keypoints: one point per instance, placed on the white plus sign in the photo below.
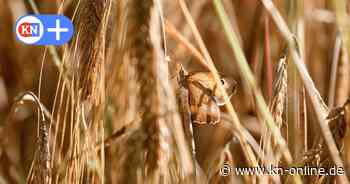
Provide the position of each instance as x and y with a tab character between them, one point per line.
57	30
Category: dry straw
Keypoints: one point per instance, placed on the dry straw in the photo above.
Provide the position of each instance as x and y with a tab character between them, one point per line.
150	159
317	102
115	117
246	149
41	167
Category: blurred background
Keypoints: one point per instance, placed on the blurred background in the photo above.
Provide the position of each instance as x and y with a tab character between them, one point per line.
315	23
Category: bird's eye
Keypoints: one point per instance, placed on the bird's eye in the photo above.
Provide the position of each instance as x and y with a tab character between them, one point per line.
223	81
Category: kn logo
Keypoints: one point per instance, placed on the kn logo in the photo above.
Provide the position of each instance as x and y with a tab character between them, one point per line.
29	29
44	29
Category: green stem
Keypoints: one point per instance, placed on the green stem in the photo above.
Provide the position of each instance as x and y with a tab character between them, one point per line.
249	77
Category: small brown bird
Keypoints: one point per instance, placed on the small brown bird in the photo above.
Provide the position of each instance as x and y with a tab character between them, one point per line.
205	97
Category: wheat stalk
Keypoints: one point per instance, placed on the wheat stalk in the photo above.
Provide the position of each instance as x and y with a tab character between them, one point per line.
279	92
342	90
41	167
316	99
82	112
150	157
277	103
